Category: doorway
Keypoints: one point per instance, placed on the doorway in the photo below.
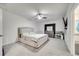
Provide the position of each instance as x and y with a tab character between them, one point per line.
50	30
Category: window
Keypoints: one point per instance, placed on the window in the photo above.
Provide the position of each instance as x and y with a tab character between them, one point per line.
76	16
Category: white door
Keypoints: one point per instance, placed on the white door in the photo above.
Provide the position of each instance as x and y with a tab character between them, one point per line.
1	32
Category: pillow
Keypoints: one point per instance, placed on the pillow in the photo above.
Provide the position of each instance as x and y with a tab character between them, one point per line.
26	33
32	33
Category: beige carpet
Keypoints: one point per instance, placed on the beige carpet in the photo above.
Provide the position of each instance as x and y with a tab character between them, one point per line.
54	47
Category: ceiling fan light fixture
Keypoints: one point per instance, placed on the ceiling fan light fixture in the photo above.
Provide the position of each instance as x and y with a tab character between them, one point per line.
39	17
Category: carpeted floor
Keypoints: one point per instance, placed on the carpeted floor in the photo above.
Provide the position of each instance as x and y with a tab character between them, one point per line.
54	47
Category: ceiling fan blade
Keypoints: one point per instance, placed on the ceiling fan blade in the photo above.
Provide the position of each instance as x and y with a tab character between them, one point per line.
44	17
35	16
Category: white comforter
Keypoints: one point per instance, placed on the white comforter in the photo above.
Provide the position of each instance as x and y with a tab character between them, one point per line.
35	37
34	40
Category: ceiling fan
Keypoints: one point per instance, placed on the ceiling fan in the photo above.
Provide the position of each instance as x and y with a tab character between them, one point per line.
39	15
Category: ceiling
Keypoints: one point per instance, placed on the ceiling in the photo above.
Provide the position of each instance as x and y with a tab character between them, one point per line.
29	10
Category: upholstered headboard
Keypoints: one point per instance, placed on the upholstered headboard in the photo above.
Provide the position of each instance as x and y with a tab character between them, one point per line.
24	30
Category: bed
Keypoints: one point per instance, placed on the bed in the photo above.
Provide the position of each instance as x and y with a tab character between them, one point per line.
29	37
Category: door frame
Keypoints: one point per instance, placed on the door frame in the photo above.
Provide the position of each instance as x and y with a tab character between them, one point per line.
53	28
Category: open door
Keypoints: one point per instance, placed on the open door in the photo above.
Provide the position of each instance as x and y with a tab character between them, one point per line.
50	30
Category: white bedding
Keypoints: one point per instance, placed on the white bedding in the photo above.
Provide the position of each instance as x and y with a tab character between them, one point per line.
29	37
34	37
37	36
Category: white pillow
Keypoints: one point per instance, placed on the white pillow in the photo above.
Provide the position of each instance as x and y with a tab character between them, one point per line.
26	34
32	32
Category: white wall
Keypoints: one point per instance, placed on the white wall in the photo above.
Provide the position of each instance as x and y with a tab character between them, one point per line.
1	38
11	22
68	34
1	21
76	37
59	25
